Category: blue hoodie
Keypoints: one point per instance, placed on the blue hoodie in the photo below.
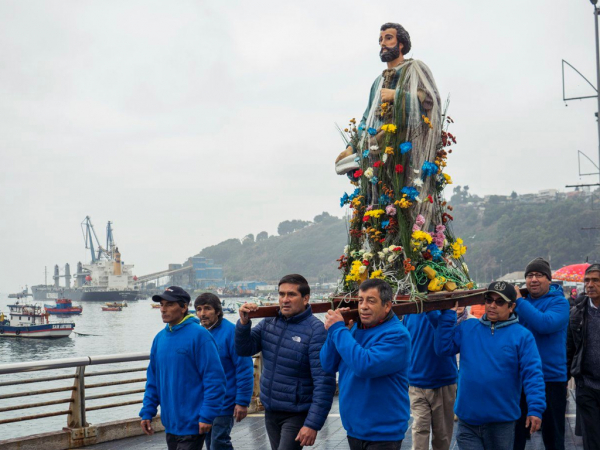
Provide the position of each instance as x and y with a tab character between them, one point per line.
427	370
547	317
184	377
373	365
239	371
497	361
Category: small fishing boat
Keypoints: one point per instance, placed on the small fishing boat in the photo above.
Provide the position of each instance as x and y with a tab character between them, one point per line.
32	321
116	304
155	305
63	306
112	308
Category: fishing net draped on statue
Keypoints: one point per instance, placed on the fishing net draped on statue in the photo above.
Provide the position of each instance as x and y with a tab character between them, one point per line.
399	223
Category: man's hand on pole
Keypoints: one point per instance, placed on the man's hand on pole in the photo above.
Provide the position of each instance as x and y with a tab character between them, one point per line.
306	436
147	427
244	310
534	422
240	412
334	316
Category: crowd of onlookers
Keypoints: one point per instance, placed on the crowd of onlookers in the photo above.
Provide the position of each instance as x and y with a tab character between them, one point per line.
510	381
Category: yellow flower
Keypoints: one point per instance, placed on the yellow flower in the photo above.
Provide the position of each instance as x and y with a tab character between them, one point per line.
377	274
390	128
389	150
422	236
427	121
458	249
403	202
375	213
447	178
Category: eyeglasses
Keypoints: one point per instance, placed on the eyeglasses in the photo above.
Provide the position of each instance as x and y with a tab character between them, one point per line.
499	302
535	275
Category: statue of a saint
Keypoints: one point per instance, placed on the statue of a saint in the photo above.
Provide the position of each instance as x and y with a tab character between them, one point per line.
396	158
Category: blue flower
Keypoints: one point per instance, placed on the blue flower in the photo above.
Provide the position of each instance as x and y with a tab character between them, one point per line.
365	153
436	253
372	131
361	126
428	169
344	199
385	223
405	147
410	192
384	199
374	180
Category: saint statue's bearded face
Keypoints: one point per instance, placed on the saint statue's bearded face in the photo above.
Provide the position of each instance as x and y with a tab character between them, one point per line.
390	46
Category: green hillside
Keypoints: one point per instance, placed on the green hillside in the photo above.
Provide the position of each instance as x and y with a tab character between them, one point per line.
502	236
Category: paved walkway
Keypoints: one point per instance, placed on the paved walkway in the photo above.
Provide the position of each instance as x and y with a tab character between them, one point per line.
250	434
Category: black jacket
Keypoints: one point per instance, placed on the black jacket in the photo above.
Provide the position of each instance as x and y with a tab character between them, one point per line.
576	334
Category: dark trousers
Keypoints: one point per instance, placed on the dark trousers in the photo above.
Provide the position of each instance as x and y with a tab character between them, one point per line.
553	419
489	436
190	442
588	404
283	427
359	444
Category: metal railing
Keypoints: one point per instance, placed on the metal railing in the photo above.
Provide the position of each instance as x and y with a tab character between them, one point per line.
76	412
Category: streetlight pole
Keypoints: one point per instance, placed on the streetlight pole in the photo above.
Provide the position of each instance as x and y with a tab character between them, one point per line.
596	12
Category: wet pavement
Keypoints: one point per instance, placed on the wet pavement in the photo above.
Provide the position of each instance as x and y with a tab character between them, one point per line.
250	434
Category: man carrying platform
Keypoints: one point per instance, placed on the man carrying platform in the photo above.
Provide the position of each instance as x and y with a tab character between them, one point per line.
295	390
545	312
372	359
239	371
498	358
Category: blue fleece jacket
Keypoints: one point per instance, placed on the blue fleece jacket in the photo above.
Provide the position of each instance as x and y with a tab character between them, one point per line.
373	381
239	371
547	318
427	370
184	377
497	361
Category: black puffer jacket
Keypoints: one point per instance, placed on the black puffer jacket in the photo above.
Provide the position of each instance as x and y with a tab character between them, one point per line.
576	336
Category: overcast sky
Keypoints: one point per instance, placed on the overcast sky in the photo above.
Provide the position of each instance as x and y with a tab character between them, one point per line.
189	122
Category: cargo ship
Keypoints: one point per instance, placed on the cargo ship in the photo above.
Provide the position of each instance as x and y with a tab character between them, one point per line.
105	279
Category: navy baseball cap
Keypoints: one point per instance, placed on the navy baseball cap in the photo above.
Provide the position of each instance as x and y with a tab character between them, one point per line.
173	294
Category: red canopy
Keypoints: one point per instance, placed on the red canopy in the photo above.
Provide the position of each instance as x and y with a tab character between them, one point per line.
574	272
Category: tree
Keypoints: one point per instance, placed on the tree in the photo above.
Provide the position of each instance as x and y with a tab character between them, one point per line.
513	195
262	236
289	226
248	239
322	217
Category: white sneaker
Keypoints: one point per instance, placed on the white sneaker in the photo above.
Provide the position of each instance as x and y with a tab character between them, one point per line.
346	164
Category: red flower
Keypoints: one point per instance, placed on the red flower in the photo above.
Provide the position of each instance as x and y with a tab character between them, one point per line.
358	173
382	240
377	164
430	198
365	262
399	168
365	218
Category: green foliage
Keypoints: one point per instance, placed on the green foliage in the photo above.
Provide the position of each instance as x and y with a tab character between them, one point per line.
502	238
262	236
289	226
311	251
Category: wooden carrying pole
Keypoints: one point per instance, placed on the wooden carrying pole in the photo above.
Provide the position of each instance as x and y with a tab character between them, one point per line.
433	302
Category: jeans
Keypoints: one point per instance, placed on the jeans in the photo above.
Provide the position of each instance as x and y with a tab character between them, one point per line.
588	404
489	436
359	444
283	427
553	419
219	436
189	442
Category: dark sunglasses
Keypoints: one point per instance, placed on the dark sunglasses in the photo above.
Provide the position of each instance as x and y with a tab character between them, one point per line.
499	303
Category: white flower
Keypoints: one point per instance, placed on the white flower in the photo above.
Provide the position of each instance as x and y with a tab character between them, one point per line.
392	258
374	148
392	247
361	251
384	158
465	267
362	269
418	182
416	171
346	248
418	199
368	255
369	173
386	250
381	255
